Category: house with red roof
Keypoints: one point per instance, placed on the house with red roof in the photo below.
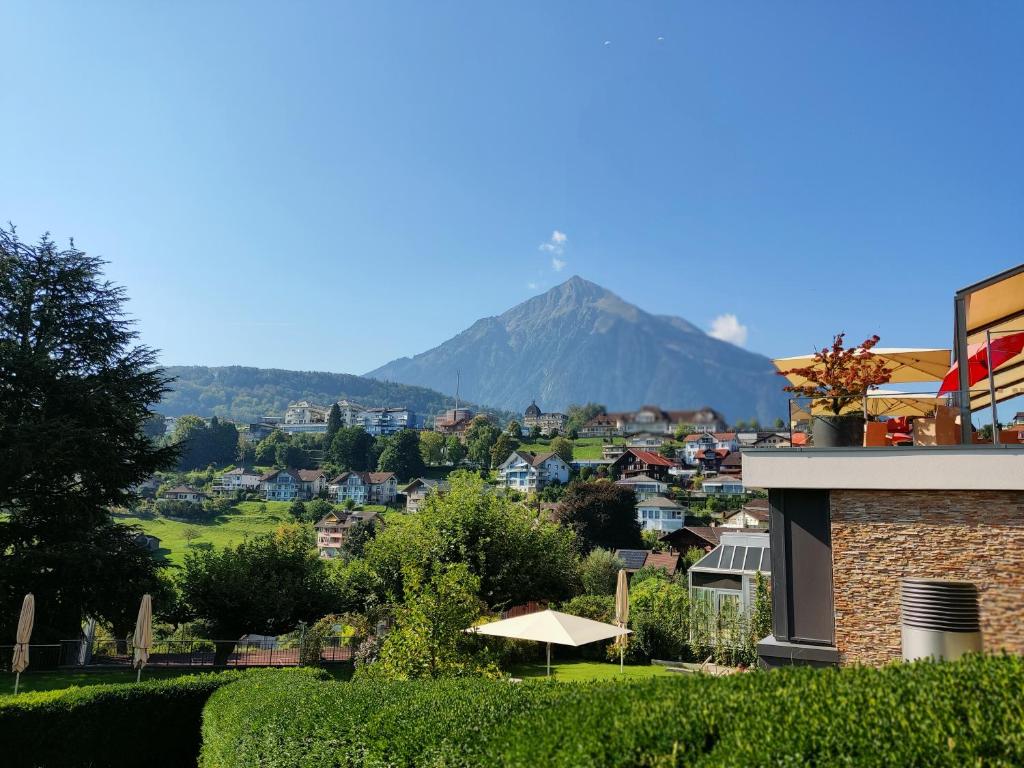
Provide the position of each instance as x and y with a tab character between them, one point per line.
635	461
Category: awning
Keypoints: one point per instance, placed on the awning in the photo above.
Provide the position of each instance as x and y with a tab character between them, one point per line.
994	306
906	364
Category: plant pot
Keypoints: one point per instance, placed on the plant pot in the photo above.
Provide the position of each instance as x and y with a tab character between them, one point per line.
838	431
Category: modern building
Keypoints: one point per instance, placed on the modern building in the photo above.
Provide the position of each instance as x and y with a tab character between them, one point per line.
723	485
530	472
547	423
184	493
292	484
848	525
386	421
659	514
724	581
237	479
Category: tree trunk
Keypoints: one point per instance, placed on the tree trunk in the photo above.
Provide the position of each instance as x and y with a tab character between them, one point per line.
223	651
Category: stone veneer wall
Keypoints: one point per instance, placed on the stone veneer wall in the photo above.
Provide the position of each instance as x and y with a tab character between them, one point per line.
880	537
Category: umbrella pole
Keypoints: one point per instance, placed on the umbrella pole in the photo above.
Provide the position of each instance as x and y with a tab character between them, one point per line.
138	675
991	387
622	656
17	679
549	659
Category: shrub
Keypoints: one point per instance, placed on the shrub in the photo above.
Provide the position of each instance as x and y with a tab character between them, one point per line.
155	723
599	572
954	714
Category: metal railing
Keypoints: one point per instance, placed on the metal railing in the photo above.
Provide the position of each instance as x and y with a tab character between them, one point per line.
200	654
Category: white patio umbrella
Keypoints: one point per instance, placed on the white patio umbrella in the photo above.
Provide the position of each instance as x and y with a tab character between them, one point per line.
143	640
25	621
904	364
622	613
551	627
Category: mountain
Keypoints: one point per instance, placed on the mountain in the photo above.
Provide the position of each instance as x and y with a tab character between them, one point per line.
581	343
243	394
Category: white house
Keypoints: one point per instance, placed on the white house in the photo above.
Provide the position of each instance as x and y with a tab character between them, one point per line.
659	514
292	484
184	493
529	472
644	486
417	491
646	440
364	487
723	485
708	441
387	421
237	479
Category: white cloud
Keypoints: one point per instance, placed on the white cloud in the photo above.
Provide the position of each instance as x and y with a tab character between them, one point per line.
557	264
559	238
555	245
727	327
533	286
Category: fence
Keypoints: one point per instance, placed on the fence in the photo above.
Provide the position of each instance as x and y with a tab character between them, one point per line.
201	654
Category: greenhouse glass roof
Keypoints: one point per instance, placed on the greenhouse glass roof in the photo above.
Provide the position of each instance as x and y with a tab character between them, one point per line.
738	553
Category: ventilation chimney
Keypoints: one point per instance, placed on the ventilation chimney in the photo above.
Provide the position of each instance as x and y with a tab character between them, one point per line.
940	619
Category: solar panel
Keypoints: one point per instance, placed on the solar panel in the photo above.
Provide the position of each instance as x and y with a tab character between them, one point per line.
633	558
753	559
710	560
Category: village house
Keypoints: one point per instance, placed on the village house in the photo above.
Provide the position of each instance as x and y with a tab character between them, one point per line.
364	488
652	418
635	559
292	484
708	441
723	485
417	491
644	486
547	423
636	462
602	425
386	421
647	440
454	421
753	514
237	479
530	472
332	530
612	451
184	493
659	514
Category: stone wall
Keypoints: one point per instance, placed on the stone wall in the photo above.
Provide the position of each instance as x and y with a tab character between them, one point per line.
880	537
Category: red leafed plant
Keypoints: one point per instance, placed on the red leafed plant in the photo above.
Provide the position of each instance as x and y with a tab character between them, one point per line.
840	376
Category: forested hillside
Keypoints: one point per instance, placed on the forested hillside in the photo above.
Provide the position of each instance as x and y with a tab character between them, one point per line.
243	394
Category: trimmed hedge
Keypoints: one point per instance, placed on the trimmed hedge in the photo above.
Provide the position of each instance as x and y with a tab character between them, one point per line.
923	714
154	723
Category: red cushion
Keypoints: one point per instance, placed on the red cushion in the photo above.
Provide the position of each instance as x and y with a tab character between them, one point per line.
898	424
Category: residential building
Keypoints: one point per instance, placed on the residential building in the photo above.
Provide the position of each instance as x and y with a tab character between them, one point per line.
332	530
547	423
292	484
731	464
237	479
647	440
659	514
708	441
602	425
635	559
1018	420
386	421
147	542
644	486
710	461
305	412
530	472
849	525
184	493
364	488
636	462
417	491
454	421
723	485
612	451
773	440
753	514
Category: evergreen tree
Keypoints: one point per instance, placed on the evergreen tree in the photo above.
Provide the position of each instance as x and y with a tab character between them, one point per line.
76	392
333	424
351	449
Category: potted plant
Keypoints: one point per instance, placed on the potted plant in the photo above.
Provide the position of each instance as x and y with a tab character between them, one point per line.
837	378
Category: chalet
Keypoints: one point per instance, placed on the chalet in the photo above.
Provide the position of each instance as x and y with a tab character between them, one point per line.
291	484
644	486
364	487
383	487
773	440
184	493
753	514
710	460
636	462
602	425
731	464
659	514
708	441
529	472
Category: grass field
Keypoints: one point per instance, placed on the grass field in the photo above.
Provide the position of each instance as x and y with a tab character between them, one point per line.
581	671
251	518
583	448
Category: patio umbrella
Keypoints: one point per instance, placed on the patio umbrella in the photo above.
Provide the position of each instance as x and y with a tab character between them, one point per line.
143	640
981	360
551	627
25	621
622	612
881	402
904	364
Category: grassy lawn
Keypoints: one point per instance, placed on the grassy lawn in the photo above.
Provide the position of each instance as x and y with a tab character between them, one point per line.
580	671
248	520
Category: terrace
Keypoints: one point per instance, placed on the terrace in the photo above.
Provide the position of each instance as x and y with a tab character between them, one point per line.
849	523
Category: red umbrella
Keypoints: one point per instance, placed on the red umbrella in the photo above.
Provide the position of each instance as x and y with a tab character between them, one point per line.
1003	349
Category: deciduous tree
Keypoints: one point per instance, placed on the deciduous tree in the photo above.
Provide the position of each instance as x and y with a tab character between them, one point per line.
402	456
602	514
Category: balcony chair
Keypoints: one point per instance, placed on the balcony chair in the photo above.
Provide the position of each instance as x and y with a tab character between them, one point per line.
899	431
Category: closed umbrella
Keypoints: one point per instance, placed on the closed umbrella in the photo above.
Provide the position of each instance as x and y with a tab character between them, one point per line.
551	627
622	613
983	358
28	615
143	635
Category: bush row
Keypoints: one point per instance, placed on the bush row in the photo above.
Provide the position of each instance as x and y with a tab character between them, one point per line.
923	714
154	723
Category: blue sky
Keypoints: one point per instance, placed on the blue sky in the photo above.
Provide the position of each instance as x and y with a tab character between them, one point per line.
332	185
